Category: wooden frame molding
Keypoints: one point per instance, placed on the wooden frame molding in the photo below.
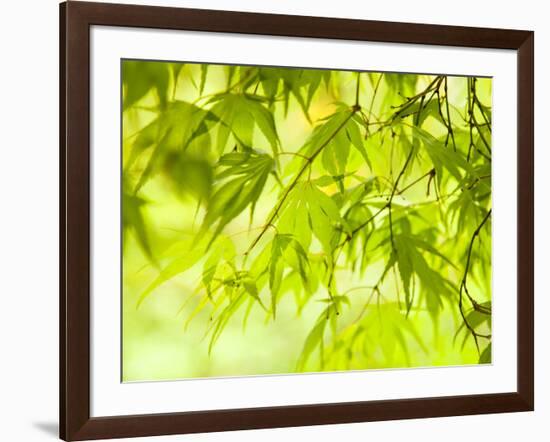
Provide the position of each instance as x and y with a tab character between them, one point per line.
75	21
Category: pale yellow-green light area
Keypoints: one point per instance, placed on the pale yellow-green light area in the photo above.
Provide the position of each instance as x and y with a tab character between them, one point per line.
167	330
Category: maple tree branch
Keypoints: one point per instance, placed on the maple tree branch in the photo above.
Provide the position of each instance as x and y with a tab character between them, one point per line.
291	186
464	289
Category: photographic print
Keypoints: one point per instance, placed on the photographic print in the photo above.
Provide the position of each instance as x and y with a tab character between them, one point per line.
280	220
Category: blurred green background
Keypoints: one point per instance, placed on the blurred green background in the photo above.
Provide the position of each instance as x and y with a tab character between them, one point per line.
162	214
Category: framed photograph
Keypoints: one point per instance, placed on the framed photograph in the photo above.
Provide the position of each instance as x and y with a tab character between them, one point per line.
272	220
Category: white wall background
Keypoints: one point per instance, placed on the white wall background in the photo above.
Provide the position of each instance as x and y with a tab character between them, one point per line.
29	207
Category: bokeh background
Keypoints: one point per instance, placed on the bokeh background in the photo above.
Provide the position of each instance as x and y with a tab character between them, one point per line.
162	339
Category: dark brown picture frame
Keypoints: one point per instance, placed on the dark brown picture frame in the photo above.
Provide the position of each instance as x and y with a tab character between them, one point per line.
75	21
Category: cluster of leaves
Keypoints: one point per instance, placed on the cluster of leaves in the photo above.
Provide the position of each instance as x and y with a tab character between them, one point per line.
392	186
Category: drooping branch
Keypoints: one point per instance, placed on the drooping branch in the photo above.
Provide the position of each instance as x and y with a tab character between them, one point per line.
392	195
432	87
464	288
483	113
430	173
446	121
472	123
424	96
349	237
308	161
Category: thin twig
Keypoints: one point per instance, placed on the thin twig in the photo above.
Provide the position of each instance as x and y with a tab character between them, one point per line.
401	173
430	173
291	186
464	289
449	123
